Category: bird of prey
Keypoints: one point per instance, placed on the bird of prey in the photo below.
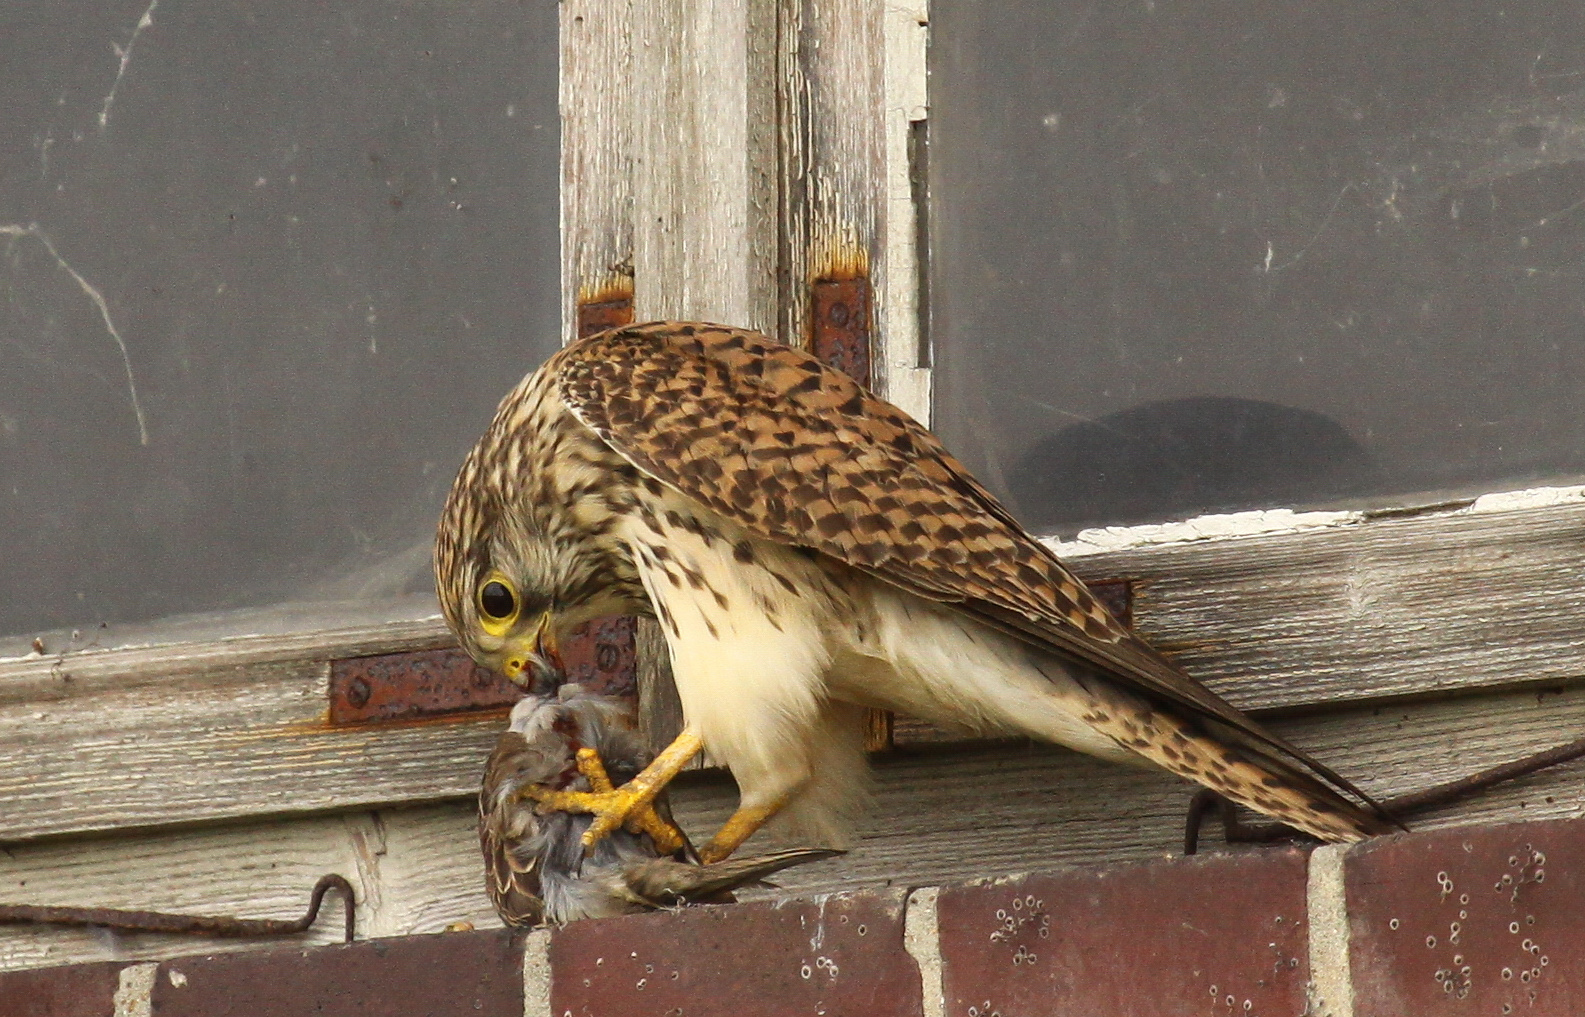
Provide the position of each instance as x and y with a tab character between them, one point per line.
535	866
810	550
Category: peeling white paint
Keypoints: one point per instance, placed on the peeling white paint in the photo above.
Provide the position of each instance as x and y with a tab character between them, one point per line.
1265	522
1535	497
907	383
124	54
1209	527
92	292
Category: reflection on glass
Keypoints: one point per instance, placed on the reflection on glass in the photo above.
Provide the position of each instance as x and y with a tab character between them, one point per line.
265	270
1209	256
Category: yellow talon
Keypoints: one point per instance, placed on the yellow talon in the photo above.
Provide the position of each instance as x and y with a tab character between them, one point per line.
628	806
643	819
593	769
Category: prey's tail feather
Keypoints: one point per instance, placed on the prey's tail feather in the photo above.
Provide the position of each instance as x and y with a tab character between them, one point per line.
661	881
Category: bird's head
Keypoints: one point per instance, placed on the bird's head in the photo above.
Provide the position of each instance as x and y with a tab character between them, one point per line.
502	609
514	576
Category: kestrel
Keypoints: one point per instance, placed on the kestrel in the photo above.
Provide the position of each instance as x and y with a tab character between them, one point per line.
535	866
810	550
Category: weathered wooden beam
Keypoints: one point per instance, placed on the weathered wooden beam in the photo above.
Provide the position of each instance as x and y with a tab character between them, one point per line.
947	814
216	741
1383	609
413	870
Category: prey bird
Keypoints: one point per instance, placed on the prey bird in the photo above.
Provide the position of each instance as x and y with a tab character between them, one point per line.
535	866
809	550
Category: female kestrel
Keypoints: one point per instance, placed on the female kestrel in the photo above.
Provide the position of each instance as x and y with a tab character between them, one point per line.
809	550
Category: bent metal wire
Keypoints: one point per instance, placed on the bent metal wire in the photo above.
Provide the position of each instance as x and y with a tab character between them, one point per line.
206	925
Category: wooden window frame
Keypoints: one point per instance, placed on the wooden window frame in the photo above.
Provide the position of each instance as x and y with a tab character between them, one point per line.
718	159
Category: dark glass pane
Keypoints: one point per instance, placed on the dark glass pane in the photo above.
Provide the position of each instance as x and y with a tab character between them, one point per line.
1207	256
310	244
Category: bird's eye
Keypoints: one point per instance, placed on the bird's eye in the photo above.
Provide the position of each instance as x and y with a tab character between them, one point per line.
496	600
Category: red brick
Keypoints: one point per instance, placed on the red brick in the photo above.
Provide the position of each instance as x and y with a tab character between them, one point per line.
1215	936
77	990
842	956
1481	920
477	974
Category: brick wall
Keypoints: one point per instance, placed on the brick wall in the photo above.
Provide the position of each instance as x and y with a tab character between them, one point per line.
1475	920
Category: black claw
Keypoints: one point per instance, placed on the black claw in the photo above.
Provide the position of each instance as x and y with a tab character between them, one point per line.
1234	829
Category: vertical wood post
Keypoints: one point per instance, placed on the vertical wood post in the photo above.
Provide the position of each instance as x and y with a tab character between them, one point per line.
736	161
596	98
596	165
705	241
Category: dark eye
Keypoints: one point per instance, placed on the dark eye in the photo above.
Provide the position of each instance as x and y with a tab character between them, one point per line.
496	600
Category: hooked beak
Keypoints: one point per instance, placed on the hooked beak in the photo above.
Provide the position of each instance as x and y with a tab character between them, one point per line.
535	663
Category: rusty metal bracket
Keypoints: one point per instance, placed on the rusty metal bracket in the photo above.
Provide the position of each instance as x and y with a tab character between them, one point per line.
206	925
609	305
840	336
1118	596
839	324
602	655
408	686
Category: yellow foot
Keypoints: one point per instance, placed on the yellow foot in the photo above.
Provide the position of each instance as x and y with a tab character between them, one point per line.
643	819
627	806
736	830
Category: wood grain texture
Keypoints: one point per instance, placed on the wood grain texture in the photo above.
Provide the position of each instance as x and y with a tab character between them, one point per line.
833	153
212	742
1385	608
414	870
946	814
47	678
852	80
596	155
704	181
660	713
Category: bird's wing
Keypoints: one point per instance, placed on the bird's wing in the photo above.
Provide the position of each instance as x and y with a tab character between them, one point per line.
799	453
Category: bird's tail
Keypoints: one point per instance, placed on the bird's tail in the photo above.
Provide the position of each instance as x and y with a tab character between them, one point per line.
1257	777
666	882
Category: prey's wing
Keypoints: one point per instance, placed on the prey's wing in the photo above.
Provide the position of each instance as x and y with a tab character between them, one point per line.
771	438
512	877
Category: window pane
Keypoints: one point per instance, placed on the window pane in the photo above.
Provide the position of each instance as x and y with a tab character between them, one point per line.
1198	256
265	271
